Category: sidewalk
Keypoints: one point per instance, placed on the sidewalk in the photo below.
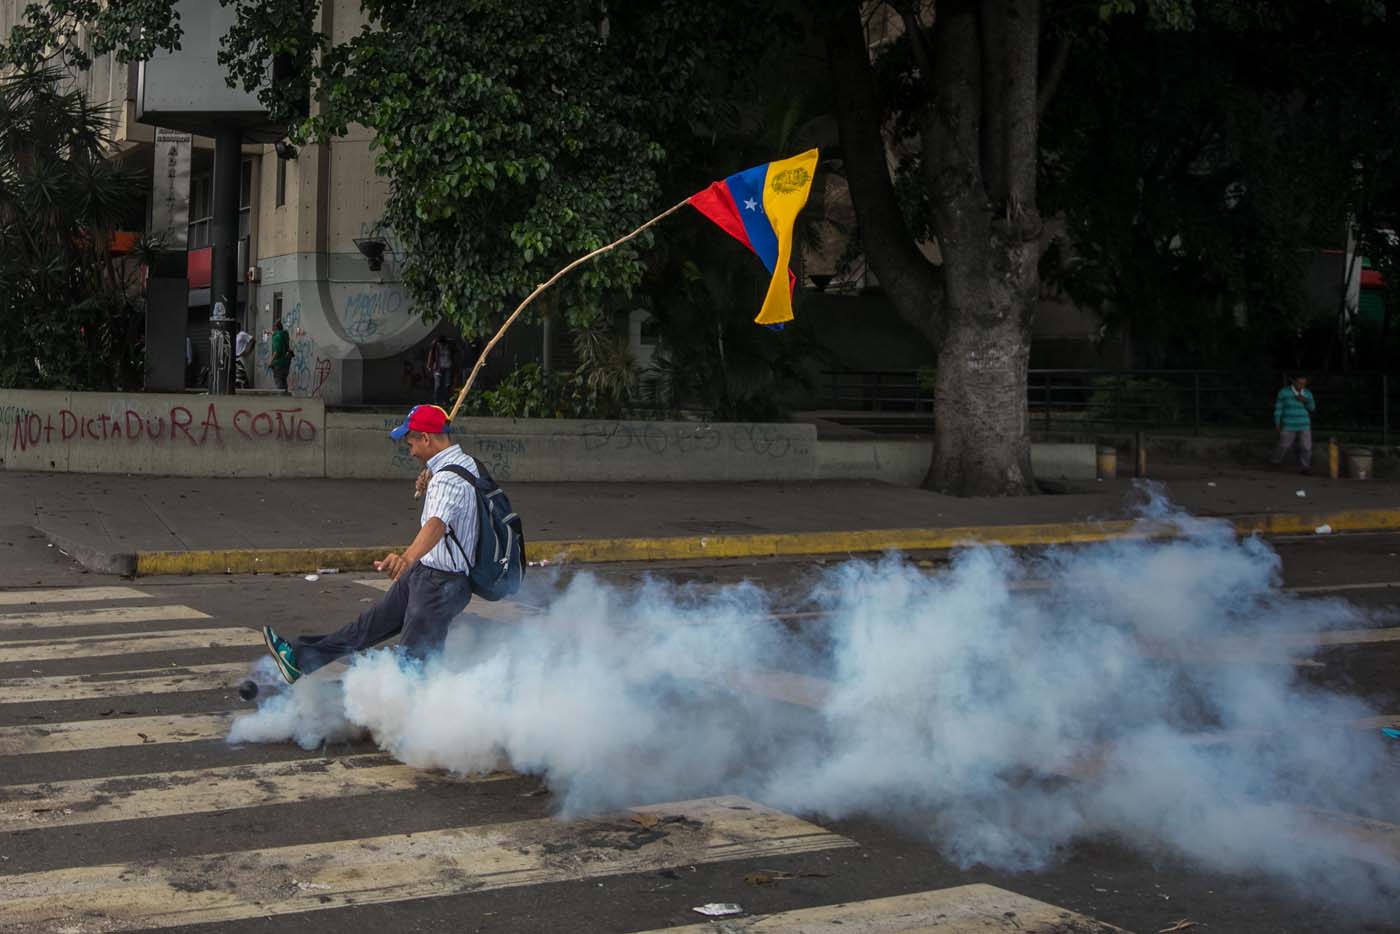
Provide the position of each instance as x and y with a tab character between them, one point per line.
131	524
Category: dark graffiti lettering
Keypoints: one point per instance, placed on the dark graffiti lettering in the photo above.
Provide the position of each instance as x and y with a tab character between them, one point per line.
31	429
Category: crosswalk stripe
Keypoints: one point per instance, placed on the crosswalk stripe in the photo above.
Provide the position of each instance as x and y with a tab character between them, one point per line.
82	735
69	595
312	877
166	680
200	791
958	910
124	644
97	616
1332	588
1341	637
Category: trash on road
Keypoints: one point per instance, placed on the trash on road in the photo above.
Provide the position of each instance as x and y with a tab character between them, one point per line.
718	909
1323	529
645	820
1182	925
1301	493
1210	483
769	876
1387	731
328	570
313	577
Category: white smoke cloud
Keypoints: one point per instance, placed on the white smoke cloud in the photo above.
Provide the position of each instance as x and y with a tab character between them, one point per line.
1007	705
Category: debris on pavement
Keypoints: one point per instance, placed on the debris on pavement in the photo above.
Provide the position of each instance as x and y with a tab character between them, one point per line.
718	909
1323	529
644	820
313	577
1182	925
1387	731
328	570
769	876
1301	493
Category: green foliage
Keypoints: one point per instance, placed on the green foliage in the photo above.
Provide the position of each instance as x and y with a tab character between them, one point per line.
601	386
70	32
1134	399
67	316
528	392
711	355
515	136
1202	159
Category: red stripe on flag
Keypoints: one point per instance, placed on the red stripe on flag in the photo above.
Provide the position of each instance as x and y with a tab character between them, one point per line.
718	205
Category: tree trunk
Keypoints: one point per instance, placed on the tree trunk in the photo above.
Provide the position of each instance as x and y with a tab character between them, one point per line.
980	161
978	133
982	444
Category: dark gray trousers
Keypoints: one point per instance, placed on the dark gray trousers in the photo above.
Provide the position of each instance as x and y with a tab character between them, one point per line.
421	604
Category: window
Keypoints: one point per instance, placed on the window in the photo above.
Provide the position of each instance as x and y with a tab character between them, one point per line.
245	198
281	182
201	207
245	185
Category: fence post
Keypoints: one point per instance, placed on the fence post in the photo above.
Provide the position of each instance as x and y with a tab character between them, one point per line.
1047	402
1196	392
1117	403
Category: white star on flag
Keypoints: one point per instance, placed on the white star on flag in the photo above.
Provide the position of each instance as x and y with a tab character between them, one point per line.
751	205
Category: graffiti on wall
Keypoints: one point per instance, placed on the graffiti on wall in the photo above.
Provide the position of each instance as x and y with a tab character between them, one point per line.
365	314
179	425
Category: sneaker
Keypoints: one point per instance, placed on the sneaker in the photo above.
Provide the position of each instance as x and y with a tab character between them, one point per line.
283	654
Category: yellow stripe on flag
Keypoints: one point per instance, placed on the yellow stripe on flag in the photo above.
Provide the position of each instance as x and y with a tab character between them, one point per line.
785	191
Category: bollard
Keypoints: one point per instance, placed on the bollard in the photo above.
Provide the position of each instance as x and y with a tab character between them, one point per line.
1107	461
1334	468
1140	456
1359	463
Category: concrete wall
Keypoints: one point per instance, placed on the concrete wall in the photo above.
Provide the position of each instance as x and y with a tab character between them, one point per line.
357	446
171	435
905	462
256	436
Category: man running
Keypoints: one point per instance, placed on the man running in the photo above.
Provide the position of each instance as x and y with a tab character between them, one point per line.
430	578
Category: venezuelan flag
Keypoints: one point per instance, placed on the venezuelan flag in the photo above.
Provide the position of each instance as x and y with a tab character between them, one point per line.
759	207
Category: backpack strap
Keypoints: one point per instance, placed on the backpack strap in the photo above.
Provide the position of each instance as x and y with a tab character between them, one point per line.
465	474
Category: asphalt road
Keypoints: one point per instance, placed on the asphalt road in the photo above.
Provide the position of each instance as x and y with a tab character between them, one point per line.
122	806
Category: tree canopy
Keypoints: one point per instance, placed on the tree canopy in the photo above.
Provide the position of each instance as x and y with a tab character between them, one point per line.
1201	172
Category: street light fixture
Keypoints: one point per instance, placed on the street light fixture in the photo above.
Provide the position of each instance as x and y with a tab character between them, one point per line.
372	249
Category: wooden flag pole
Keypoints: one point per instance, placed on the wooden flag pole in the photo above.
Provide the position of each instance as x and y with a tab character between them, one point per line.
481	358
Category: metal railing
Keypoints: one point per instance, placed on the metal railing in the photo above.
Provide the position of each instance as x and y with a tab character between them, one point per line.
1355	404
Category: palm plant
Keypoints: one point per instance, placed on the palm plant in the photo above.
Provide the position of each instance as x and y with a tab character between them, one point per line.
69	316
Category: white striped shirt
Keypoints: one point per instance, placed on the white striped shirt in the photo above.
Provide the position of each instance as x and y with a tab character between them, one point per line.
451	499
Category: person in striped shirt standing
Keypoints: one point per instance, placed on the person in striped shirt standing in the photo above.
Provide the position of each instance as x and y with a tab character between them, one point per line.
430	578
1293	408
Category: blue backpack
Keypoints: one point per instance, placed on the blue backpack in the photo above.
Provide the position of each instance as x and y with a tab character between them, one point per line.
499	564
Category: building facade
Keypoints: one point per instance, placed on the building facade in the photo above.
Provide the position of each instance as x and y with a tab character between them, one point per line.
356	334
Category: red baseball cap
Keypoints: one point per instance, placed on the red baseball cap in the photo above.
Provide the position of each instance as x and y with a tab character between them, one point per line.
429	418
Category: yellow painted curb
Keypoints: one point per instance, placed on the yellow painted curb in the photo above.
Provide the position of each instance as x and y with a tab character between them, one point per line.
258	560
692	547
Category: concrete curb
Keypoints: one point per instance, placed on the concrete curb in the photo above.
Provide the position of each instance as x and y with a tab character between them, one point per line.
690	547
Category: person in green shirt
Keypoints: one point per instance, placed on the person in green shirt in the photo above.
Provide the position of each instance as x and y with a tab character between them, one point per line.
281	363
1293	408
